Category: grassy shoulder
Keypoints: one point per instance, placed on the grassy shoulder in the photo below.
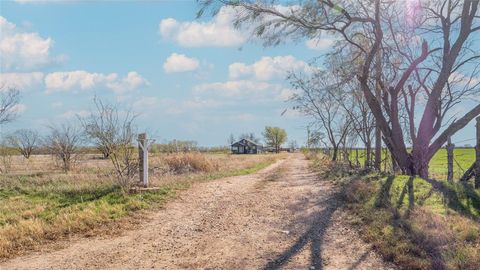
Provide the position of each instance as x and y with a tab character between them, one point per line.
415	223
39	208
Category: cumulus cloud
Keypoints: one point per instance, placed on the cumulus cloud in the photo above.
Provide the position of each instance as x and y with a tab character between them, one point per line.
243	90
71	114
217	33
320	44
80	79
268	68
21	81
18	108
132	81
23	50
180	63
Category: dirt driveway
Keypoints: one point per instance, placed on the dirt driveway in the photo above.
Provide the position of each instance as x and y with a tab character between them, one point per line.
283	217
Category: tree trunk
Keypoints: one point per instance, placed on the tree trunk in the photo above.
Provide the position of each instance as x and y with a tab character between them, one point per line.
335	153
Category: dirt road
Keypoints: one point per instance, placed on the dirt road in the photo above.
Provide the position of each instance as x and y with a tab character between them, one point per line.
283	217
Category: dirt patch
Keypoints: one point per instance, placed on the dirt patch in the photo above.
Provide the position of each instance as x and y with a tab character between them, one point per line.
293	222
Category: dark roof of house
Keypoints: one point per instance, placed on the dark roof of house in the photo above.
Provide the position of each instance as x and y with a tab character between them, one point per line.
246	140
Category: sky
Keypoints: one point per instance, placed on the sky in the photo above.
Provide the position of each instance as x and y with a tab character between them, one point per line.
187	78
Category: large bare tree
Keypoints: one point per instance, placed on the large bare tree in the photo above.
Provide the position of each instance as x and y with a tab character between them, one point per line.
424	46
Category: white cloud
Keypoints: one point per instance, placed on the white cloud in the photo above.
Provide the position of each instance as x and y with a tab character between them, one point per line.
268	68
320	44
463	80
57	104
180	63
243	89
132	81
23	51
233	88
19	108
71	114
21	81
65	81
217	33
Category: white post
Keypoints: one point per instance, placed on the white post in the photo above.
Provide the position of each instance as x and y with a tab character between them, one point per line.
143	154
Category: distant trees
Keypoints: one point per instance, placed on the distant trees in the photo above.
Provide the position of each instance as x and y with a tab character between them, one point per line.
249	136
63	142
275	137
24	140
175	146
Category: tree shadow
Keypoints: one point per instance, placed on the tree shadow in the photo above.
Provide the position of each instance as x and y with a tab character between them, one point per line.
313	236
453	199
359	260
383	198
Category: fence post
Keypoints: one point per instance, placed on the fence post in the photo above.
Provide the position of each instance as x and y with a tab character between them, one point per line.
450	147
477	158
357	162
143	158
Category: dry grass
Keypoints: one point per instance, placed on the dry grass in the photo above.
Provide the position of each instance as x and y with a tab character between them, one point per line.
189	162
39	204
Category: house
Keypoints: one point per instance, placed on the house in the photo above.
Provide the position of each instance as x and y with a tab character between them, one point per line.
245	146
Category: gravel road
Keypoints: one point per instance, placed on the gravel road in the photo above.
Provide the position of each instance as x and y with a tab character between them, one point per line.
283	217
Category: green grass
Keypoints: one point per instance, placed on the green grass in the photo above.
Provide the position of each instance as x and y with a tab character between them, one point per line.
34	209
463	159
415	223
419	224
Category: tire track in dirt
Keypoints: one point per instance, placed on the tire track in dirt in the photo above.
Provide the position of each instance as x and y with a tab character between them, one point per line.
281	217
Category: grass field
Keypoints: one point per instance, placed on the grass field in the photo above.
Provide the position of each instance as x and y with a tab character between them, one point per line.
415	223
38	204
463	159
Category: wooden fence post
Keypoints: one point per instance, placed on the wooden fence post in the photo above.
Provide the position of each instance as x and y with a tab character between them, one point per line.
450	148
143	158
477	156
357	162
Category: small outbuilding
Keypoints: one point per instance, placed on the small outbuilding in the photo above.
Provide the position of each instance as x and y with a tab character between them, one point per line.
245	146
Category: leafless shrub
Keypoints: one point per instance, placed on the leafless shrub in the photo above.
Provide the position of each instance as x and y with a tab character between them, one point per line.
24	140
114	132
63	142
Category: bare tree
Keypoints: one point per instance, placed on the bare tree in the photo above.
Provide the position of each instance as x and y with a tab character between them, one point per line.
113	131
25	141
316	97
231	139
423	45
9	99
63	143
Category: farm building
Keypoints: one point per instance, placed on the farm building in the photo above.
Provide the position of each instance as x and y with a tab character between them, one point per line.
245	146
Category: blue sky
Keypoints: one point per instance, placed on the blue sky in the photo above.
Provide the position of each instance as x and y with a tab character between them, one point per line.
155	58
